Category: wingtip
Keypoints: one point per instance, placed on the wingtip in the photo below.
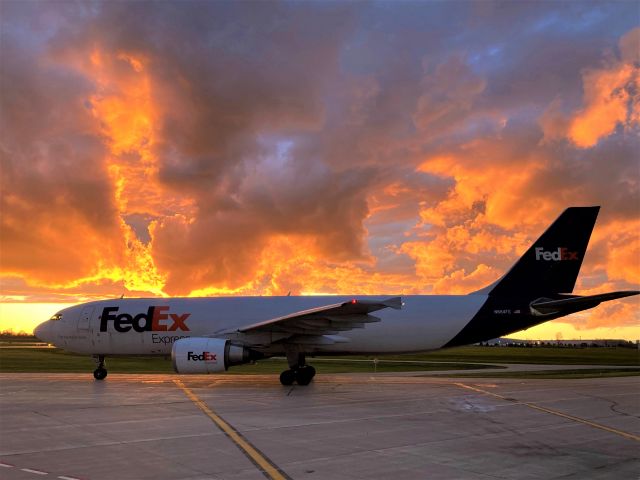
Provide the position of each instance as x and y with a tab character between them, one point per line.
395	303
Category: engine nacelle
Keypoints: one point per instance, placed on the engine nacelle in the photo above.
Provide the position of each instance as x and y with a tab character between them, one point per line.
208	355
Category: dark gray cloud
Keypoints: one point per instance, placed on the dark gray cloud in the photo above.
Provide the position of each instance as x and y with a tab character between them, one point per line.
57	201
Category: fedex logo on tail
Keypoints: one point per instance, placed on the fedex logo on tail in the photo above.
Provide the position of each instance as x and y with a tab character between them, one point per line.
555	255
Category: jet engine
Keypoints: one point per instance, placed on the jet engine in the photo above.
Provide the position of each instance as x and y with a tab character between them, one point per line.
208	355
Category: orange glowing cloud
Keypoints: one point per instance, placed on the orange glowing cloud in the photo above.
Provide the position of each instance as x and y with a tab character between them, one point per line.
608	103
616	246
611	96
492	214
623	313
127	111
464	235
124	107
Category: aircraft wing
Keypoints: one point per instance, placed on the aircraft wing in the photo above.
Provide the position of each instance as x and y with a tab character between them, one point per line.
576	303
326	320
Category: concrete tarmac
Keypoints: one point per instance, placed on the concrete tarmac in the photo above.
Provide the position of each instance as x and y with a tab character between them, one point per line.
350	426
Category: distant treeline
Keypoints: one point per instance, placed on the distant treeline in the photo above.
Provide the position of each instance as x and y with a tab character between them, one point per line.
561	344
20	335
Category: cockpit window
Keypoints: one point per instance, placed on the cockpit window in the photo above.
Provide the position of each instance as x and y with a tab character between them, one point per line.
57	316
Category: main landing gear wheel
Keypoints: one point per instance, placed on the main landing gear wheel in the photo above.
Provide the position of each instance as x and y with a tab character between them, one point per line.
304	375
287	377
100	373
301	375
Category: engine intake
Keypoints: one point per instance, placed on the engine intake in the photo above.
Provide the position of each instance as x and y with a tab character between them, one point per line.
208	355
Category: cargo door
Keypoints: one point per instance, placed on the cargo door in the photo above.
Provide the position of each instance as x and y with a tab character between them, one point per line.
85	319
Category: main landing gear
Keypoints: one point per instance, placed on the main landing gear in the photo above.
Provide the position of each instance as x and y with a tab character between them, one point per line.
298	371
100	373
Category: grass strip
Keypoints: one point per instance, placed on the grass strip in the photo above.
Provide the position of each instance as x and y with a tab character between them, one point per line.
462	358
557	374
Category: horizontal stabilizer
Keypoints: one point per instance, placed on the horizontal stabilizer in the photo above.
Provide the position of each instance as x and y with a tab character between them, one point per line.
545	306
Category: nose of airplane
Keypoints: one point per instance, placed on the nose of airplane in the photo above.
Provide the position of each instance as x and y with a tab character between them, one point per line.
42	331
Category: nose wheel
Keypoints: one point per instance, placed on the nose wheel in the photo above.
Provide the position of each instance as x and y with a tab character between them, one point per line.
100	373
299	372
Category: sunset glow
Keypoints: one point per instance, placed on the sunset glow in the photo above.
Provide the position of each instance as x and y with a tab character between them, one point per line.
214	148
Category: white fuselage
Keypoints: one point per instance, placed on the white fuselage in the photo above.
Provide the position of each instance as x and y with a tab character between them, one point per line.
423	323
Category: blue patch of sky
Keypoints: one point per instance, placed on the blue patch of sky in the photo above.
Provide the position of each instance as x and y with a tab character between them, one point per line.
392	32
278	150
588	18
382	243
486	58
140	224
383	235
394	263
573	21
33	25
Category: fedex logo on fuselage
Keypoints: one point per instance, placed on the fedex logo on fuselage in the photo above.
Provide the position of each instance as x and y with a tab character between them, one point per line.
556	255
155	320
203	357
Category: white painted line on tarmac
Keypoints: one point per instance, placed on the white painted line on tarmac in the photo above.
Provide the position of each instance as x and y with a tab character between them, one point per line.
36	472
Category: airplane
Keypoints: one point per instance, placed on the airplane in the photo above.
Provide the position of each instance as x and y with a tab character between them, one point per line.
209	335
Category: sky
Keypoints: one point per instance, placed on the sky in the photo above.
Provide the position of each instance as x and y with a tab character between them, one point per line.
259	148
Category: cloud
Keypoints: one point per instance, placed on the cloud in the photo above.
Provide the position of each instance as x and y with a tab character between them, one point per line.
611	99
59	220
448	95
259	148
223	244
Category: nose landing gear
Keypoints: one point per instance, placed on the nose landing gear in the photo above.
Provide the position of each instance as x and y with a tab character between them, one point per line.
100	373
298	371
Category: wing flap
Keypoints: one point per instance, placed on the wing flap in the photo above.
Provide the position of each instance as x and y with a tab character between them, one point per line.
327	320
318	339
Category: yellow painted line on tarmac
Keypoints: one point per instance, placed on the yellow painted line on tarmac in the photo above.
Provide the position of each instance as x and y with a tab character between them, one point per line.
628	435
267	467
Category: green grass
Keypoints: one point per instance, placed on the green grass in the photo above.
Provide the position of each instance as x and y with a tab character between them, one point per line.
56	360
462	358
534	355
557	374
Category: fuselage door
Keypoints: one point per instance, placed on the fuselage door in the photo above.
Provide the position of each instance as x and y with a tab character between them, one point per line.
85	318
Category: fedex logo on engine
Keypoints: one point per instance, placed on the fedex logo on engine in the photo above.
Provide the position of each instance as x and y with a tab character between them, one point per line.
204	357
157	319
556	255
